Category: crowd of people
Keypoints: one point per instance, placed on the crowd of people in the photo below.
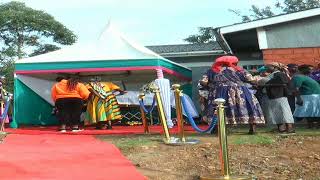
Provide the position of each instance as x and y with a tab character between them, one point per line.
276	94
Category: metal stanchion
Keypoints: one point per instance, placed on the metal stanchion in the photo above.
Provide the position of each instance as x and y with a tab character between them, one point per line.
182	140
162	116
225	171
143	116
177	95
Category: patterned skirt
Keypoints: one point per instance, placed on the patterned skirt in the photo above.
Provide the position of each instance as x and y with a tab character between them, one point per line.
112	108
101	110
242	107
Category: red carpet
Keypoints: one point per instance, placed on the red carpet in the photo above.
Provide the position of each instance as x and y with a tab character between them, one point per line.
119	130
51	156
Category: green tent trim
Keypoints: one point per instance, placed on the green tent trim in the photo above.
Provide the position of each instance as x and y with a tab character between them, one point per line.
103	64
31	109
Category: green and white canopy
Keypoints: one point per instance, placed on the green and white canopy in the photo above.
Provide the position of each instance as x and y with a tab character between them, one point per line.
111	57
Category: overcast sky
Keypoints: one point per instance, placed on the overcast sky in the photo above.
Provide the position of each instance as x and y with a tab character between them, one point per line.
149	22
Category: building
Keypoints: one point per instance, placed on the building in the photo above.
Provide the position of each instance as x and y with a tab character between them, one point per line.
286	38
198	57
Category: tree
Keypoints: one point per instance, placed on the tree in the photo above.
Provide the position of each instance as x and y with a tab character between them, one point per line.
25	30
204	36
280	7
7	70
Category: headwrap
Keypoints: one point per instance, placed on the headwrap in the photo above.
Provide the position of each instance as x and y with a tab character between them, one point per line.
281	67
262	69
229	61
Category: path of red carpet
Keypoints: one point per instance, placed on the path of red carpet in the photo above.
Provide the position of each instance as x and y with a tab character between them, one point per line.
59	157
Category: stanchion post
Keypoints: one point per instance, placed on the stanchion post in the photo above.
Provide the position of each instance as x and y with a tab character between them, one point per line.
143	116
162	117
178	94
224	157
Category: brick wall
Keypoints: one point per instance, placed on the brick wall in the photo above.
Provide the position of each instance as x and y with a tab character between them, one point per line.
292	55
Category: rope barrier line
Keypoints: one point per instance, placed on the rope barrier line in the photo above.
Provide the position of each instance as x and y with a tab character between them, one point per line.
144	107
191	121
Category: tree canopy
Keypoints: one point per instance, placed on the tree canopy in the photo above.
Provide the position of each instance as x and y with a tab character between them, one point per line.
255	13
280	7
27	32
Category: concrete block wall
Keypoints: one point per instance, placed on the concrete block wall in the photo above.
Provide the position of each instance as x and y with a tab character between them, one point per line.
292	55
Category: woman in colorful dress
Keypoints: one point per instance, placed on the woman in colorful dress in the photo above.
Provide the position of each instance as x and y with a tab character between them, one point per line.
227	80
102	106
308	97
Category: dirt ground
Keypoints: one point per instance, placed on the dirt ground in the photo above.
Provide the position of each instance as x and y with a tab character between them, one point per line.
266	155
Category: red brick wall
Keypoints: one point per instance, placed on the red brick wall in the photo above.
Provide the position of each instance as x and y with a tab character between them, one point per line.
292	55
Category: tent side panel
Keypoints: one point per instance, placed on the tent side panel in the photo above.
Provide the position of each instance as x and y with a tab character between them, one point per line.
14	123
31	109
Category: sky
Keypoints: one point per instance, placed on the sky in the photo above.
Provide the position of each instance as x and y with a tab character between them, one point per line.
148	22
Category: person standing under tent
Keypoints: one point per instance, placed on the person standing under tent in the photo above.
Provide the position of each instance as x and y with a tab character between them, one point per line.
227	80
308	97
102	106
68	96
112	107
55	110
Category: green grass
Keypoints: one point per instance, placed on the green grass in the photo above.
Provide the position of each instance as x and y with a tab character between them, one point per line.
307	132
236	136
135	141
251	139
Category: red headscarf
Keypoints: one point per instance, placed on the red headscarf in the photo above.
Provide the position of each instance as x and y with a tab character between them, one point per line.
229	61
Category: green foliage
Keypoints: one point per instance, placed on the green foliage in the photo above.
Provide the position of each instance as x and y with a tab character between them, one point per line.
283	6
44	49
24	29
249	139
7	70
27	32
204	36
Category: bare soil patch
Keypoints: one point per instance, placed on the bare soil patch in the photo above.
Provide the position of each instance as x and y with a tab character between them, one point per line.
265	155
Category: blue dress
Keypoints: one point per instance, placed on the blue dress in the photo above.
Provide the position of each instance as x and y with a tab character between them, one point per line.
242	107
